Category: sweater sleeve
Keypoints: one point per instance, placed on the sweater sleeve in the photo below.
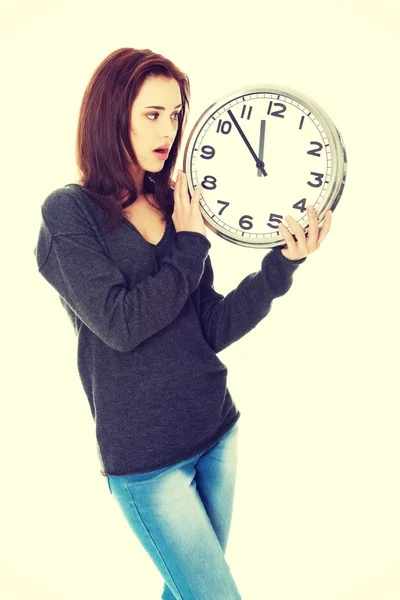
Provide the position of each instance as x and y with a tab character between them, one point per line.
225	320
77	266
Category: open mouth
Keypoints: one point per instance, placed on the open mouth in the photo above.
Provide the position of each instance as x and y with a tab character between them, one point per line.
161	151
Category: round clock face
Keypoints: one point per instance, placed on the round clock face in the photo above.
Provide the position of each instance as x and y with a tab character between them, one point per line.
259	154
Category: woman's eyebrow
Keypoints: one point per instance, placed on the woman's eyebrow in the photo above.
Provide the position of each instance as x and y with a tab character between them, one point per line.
161	107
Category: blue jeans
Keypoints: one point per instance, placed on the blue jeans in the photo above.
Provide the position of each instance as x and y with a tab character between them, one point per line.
182	515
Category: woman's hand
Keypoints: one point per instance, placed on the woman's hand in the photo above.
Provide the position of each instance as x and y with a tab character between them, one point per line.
187	215
304	245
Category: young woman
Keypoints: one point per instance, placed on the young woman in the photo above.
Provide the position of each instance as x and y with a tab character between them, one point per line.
139	292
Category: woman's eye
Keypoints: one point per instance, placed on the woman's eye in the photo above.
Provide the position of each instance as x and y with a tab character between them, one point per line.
157	114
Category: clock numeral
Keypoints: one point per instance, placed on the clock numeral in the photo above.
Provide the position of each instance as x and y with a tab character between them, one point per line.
301	122
276	113
209	182
301	205
244	220
224	126
276	218
208	152
244	112
315	151
318	177
226	204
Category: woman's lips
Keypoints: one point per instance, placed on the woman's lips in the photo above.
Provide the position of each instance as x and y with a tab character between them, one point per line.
161	155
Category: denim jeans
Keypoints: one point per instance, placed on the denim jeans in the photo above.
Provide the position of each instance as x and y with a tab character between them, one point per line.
182	515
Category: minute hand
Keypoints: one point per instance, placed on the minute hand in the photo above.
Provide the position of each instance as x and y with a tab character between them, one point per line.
259	163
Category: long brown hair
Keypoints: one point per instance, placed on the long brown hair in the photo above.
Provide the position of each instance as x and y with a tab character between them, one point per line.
103	132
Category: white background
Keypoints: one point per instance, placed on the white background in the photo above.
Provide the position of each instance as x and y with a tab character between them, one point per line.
317	503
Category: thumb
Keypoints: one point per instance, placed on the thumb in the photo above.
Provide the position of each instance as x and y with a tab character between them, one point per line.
197	192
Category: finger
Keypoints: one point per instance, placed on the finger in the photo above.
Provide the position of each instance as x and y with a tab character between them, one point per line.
323	232
312	230
291	244
300	235
197	194
177	191
184	190
194	199
176	183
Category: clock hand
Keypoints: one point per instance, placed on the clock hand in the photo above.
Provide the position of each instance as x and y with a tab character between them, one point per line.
261	148
259	163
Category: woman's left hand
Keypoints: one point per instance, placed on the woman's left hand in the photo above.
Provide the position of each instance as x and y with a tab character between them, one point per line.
304	245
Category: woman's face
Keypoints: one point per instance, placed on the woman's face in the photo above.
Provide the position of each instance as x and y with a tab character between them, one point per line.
154	127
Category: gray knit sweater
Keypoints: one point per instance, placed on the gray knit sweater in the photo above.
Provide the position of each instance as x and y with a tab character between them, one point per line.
149	325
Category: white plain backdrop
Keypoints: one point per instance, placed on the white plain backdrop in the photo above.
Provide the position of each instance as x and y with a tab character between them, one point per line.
316	513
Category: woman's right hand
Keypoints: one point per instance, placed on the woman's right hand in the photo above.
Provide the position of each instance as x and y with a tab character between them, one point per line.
187	215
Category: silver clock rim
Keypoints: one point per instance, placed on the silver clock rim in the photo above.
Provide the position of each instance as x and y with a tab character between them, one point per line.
338	155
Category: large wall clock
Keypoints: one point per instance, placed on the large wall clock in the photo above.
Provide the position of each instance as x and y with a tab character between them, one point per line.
260	153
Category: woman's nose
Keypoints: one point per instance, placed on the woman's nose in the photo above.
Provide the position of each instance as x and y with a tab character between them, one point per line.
168	131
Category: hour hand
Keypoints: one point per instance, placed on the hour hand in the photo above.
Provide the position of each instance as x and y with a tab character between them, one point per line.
259	163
